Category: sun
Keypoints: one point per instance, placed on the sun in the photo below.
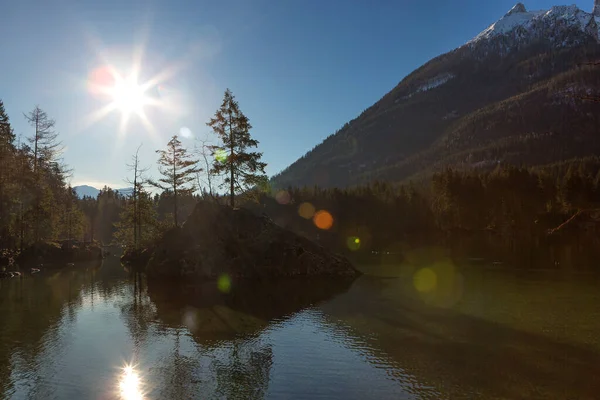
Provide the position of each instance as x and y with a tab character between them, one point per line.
122	86
123	93
128	95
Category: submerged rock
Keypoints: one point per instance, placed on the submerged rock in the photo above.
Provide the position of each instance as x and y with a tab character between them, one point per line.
217	240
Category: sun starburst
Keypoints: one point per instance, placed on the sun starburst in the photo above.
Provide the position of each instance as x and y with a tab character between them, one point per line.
123	91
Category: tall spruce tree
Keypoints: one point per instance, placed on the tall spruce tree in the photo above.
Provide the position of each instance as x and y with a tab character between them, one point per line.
178	168
242	168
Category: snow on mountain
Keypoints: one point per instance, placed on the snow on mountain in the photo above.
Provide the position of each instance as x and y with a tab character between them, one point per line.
432	84
435	82
525	23
85	190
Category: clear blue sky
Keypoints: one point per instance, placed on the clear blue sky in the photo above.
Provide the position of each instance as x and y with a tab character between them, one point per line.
300	69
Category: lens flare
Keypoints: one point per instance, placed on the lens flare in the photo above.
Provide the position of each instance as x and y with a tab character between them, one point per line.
283	197
306	210
134	84
130	384
353	243
439	284
224	283
425	280
220	155
99	80
163	90
185	132
323	220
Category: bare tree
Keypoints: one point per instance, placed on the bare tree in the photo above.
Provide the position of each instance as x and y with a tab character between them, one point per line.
46	148
138	183
45	145
205	185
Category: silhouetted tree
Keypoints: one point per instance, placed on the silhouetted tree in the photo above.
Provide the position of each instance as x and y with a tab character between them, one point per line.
178	169
8	193
243	169
138	182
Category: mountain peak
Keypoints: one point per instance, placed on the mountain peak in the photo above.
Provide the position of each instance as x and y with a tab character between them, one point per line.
520	8
558	24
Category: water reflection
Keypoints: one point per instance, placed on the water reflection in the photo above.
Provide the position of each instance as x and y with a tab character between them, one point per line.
494	335
510	336
228	357
211	314
130	384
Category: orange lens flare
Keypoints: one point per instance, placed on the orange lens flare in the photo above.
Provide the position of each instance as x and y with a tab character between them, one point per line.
323	220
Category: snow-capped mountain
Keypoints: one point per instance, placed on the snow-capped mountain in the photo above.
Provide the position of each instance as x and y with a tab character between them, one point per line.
562	25
90	191
512	94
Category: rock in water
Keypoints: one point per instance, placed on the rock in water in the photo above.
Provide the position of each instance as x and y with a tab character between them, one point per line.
217	240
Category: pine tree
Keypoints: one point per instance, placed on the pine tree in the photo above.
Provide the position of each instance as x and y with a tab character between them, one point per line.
137	225
89	206
72	219
178	169
7	176
243	170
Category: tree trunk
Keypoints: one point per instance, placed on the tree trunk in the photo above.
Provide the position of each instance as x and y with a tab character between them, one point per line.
135	237
36	214
174	188
231	167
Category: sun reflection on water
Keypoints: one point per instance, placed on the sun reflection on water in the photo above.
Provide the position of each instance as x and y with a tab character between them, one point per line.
130	384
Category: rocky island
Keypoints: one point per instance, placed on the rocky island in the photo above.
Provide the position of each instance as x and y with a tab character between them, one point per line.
217	240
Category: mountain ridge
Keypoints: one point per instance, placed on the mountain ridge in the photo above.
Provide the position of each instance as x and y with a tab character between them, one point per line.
90	191
520	85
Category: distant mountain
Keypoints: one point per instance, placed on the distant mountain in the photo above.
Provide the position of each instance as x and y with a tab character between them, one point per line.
513	94
85	190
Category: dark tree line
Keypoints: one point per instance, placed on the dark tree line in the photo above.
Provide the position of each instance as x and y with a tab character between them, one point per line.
512	206
509	206
36	204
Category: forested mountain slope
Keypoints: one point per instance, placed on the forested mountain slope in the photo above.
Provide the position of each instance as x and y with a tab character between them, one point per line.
514	94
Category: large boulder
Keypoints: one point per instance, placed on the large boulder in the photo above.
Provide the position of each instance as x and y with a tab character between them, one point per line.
217	240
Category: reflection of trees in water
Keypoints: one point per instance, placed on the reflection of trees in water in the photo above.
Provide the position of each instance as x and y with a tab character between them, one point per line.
242	370
228	359
211	315
137	311
32	311
238	369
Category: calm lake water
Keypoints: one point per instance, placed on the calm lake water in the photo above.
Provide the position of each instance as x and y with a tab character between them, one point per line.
436	331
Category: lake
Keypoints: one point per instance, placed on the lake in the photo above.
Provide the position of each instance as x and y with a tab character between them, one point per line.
432	331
